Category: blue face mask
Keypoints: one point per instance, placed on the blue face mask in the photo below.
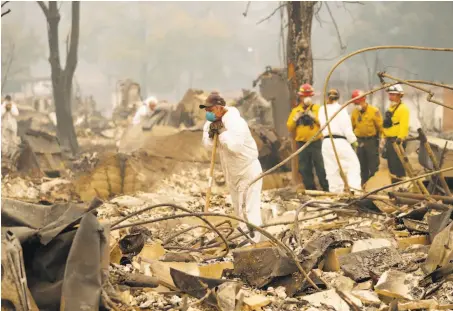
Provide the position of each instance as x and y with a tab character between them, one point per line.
210	116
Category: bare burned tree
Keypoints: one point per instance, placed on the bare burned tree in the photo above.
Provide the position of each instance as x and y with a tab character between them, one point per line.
62	77
299	53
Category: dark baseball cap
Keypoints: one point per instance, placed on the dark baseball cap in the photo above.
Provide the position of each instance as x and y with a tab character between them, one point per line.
214	99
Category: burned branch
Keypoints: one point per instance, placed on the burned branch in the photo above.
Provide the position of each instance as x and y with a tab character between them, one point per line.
342	46
7	11
273	13
246	9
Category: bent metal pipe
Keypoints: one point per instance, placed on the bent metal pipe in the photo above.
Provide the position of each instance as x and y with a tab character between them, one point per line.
384	47
271	170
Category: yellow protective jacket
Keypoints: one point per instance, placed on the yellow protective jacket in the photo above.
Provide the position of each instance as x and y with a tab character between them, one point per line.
367	123
400	120
302	132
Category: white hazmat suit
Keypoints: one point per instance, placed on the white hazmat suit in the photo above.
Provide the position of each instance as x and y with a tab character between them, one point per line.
240	164
144	111
340	126
9	129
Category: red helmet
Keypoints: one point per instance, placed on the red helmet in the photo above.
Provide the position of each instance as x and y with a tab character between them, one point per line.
306	90
357	93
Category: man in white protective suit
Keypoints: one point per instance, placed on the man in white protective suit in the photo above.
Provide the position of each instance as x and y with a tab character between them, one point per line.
146	110
345	143
238	157
9	126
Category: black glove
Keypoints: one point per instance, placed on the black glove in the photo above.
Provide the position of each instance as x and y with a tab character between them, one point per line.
215	128
399	141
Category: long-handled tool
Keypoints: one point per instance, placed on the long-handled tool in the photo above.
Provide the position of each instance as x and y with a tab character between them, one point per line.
211	173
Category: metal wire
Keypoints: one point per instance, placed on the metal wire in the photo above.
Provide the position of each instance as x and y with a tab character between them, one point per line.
285	248
115	225
306	204
384	47
273	169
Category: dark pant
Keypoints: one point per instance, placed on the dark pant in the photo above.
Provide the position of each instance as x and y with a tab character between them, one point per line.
368	154
395	166
309	158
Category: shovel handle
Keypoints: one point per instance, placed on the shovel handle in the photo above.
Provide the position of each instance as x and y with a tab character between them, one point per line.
211	174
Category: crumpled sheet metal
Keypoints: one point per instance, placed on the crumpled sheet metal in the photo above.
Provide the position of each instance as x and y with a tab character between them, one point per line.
49	220
437	223
82	280
260	265
56	254
315	249
441	251
197	286
17	213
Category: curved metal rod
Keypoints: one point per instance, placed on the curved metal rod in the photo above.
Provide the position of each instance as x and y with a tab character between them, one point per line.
281	223
115	225
300	208
384	47
227	248
402	182
201	249
172	237
286	249
148	208
431	83
430	93
217	226
277	166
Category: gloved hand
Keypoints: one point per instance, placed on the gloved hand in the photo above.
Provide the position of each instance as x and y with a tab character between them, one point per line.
399	141
311	114
355	145
216	128
297	116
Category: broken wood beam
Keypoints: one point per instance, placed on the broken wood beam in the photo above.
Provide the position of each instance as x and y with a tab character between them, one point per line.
432	156
140	280
421	197
418	184
409	201
317	193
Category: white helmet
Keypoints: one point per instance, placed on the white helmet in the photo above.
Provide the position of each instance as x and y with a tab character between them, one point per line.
151	99
395	89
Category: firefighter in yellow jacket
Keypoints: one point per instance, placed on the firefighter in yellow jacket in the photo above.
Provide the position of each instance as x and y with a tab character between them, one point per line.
367	126
303	121
395	129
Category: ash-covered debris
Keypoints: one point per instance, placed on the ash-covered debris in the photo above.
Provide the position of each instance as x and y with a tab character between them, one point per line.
356	257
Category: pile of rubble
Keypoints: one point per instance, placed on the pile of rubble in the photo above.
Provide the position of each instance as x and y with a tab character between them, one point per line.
144	243
356	257
371	267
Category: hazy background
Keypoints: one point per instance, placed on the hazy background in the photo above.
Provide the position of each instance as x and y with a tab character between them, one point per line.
169	47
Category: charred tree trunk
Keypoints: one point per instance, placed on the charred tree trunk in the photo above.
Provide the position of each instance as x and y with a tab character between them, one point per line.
300	19
62	78
299	57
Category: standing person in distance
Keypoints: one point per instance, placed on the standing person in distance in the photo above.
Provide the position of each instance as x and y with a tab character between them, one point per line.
345	142
395	129
9	126
146	110
303	121
367	126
